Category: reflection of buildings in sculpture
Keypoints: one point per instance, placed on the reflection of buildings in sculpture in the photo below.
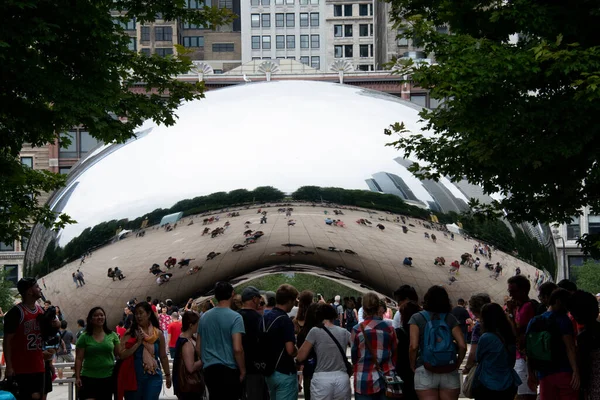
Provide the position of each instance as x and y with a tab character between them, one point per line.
373	186
473	191
444	197
393	184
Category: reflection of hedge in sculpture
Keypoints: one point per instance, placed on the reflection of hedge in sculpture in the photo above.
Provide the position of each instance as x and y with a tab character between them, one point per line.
494	232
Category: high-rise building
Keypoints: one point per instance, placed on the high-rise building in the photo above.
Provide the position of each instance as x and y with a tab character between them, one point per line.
284	29
443	197
473	191
350	33
373	185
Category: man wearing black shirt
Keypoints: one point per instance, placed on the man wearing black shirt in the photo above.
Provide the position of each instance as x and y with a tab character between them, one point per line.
462	315
282	383
254	387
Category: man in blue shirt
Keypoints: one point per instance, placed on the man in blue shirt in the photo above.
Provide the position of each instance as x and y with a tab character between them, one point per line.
283	382
558	379
220	345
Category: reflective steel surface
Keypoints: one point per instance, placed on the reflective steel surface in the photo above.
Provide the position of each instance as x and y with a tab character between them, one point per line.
281	134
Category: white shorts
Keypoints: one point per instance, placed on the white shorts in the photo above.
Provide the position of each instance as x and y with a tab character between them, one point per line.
521	370
330	385
426	380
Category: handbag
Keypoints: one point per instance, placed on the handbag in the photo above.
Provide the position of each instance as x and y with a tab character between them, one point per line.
349	367
190	382
393	383
468	384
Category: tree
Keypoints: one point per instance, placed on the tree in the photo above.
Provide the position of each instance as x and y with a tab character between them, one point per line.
519	116
588	277
65	64
7	296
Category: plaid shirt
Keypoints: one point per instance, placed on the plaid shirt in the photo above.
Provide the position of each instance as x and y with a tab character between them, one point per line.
383	341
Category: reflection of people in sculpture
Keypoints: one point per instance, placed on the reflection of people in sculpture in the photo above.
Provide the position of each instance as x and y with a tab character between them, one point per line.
291	222
439	261
206	231
170	263
155	269
328	221
248	232
119	274
193	270
211	255
163	278
238	247
407	261
381	227
404	229
185	262
263	219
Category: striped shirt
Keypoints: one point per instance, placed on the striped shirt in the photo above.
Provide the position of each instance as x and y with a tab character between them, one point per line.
382	338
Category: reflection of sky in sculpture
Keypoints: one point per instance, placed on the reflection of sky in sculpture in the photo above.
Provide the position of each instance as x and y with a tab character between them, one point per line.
281	134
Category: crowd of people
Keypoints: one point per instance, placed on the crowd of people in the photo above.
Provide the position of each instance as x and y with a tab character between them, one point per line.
259	345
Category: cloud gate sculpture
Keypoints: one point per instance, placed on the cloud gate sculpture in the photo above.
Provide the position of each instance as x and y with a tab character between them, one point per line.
280	134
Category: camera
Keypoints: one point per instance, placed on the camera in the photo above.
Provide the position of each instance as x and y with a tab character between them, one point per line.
50	334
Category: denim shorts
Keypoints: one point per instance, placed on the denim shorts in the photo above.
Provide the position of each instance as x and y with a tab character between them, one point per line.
427	380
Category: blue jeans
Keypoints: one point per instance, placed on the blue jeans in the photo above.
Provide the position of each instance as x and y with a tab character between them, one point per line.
375	396
149	388
283	386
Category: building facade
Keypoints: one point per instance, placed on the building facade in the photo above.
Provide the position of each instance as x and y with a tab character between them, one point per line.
284	29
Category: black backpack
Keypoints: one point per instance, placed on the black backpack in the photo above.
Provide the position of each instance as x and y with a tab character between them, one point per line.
350	320
266	360
538	308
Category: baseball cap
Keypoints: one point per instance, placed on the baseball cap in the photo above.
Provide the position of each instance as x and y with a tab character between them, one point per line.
249	293
270	295
25	284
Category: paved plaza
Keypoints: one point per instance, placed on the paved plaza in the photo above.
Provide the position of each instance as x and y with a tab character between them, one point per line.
377	262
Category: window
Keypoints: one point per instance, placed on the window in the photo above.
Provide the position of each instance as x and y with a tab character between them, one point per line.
574	228
337	10
304	41
314	41
86	141
163	52
146	52
254	2
303	19
337	30
364	50
279	2
163	34
279	20
27	161
7	246
289	2
266	42
348	30
594	224
128	25
222	47
193	41
363	67
64	170
348	51
193	3
314	2
347	10
442	29
266	2
338	51
71	150
291	58
363	30
132	44
145	34
289	20
266	20
290	41
218	71
255	42
255	20
280	42
314	19
363	9
315	62
402	41
419	99
371	29
304	60
12	273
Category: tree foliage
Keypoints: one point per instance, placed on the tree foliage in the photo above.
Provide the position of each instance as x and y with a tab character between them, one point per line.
519	116
327	287
588	276
65	64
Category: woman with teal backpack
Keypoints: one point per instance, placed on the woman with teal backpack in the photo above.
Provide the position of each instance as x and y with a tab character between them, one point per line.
435	341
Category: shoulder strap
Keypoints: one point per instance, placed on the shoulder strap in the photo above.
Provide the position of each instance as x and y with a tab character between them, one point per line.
271	324
425	315
370	350
339	346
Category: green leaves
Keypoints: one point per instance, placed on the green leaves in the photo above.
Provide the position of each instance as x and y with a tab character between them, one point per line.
518	117
67	64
